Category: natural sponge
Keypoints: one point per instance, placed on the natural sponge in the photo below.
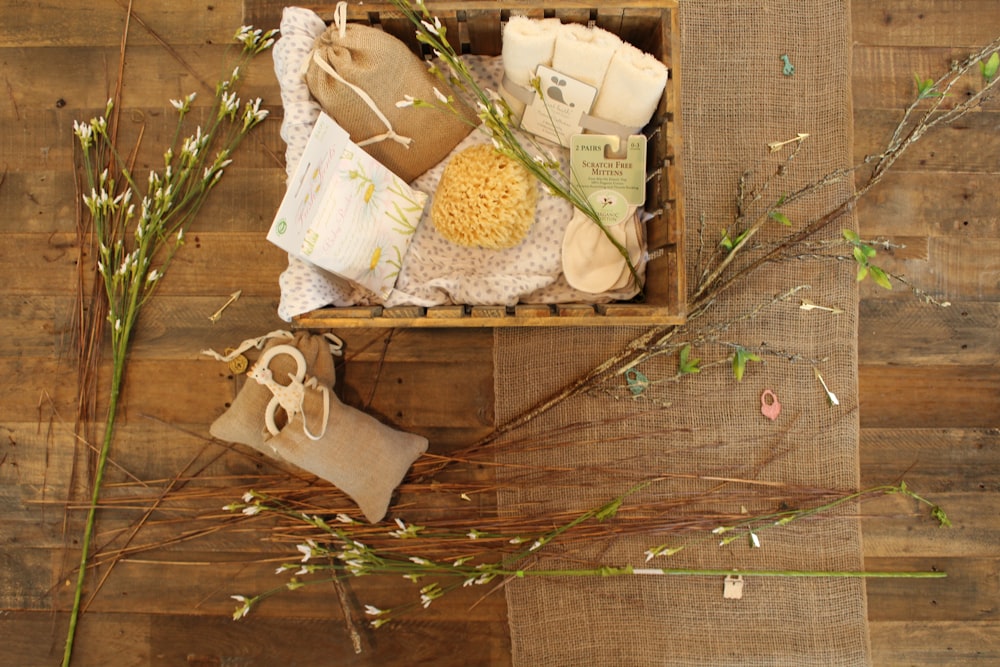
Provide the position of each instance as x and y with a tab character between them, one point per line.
484	199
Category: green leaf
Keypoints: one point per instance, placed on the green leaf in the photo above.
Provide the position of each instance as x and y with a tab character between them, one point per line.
880	277
938	513
990	67
780	217
859	256
862	272
925	88
740	358
687	364
730	243
851	235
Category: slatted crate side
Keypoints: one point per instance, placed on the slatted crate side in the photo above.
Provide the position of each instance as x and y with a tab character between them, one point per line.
475	27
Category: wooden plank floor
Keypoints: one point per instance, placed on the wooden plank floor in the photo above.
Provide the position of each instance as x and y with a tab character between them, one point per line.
930	387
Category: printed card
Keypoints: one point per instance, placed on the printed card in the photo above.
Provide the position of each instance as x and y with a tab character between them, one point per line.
555	114
346	212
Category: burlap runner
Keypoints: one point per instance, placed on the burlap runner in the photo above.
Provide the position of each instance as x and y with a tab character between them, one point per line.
735	100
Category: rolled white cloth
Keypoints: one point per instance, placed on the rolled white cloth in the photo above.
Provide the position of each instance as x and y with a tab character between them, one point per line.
527	43
632	88
584	53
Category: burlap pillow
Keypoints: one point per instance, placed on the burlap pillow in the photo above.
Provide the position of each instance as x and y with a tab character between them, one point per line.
350	57
243	422
359	455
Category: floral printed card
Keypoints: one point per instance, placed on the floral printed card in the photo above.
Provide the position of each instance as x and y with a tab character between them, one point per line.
346	212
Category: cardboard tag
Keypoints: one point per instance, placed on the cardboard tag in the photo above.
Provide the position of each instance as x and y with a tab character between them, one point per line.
608	173
733	587
555	114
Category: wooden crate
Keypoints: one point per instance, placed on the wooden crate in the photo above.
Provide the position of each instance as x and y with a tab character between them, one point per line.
475	27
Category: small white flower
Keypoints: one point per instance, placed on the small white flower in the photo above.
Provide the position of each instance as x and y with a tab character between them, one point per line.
343	518
662	550
228	104
420	561
755	540
407	101
402	529
379	622
243	609
178	104
118	324
374	611
473	534
248	496
721	529
253	114
283	568
516	540
442	98
433	28
252	510
306	550
85	133
153	276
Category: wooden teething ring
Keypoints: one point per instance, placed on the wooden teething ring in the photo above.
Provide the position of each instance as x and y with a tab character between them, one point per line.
297	378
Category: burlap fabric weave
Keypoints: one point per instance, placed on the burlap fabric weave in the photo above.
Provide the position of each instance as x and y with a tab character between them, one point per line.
736	99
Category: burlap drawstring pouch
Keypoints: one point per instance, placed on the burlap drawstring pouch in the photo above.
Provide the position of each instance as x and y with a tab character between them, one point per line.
287	410
358	74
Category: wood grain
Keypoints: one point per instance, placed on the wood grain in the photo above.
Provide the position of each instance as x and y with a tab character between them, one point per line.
929	393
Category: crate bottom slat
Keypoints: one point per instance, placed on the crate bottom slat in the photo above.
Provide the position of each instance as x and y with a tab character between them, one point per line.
561	315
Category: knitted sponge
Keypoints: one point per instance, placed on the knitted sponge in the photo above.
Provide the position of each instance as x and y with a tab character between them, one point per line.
484	199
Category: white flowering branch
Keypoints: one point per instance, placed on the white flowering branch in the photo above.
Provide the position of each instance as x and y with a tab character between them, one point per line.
337	549
136	245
